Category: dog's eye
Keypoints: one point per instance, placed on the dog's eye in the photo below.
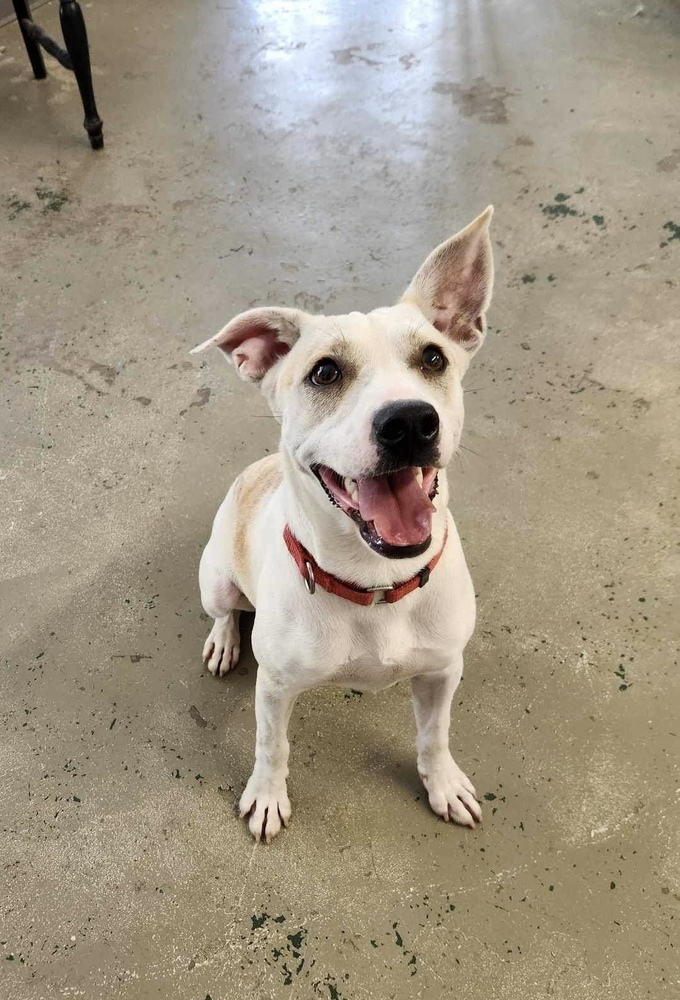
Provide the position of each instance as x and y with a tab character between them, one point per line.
324	372
433	359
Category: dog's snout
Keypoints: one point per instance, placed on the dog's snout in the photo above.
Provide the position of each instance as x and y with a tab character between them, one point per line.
407	431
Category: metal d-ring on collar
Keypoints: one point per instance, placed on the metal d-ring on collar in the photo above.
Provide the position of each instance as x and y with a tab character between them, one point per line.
310	582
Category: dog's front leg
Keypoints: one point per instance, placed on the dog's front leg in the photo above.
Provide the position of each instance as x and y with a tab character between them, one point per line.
265	799
450	791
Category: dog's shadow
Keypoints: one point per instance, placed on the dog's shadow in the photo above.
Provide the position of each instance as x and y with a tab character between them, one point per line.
388	751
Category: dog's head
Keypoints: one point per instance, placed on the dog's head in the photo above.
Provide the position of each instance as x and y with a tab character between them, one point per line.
371	405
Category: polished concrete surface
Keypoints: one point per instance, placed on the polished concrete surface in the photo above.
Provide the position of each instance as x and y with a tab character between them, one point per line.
311	154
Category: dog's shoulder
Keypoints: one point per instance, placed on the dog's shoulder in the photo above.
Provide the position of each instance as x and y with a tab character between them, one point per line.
257	481
252	488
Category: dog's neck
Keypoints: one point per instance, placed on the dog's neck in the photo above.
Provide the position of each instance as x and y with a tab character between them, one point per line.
334	540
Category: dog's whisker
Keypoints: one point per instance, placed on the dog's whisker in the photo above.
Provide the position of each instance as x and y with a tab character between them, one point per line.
340	336
471	450
415	328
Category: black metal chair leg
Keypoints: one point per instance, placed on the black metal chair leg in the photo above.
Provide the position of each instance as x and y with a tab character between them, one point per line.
75	39
34	54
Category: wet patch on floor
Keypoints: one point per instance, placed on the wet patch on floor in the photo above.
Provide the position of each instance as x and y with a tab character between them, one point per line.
345	57
482	100
558	208
202	396
673	228
667	164
16	206
52	201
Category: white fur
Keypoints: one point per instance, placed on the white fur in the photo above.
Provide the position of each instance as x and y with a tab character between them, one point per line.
302	640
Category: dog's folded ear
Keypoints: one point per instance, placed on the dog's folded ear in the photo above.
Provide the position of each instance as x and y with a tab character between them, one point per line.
255	340
453	287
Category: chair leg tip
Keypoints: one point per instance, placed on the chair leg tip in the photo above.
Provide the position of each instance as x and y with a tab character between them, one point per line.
95	131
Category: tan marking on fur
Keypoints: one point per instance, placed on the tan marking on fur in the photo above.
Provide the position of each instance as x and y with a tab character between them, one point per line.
323	400
296	365
293	372
255	485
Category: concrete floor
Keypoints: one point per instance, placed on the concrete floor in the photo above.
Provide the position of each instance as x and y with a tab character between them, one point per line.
312	154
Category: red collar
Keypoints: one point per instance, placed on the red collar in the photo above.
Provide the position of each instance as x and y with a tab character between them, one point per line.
315	577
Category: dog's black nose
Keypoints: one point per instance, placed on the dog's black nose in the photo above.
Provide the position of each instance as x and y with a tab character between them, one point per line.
407	431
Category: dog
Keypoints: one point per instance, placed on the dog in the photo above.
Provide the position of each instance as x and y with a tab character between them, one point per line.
342	542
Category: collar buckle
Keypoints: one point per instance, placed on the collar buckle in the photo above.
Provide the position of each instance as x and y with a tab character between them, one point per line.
378	594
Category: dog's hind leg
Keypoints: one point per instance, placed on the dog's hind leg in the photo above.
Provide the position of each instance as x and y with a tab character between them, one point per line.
222	648
226	574
223	600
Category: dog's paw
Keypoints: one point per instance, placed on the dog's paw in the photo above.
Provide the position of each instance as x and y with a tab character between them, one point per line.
222	647
265	802
451	793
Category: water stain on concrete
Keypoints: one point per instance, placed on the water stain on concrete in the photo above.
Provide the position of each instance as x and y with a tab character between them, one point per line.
408	60
673	229
482	100
197	717
345	57
63	369
107	372
79	368
53	201
202	396
667	164
559	208
311	303
16	206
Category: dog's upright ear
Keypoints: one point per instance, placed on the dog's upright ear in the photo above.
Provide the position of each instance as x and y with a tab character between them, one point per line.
453	287
255	340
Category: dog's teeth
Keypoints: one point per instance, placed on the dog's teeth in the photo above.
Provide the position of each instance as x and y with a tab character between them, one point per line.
419	477
350	486
355	496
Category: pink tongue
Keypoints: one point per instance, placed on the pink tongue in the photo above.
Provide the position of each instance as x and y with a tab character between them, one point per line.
400	509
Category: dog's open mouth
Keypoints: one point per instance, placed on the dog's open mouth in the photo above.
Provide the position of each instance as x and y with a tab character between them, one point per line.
394	511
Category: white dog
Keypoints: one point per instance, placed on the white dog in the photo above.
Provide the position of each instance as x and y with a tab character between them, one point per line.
343	541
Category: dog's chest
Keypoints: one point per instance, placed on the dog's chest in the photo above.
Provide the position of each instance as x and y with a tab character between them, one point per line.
378	653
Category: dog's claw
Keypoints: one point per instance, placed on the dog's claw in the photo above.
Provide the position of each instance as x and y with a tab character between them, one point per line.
451	793
265	803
